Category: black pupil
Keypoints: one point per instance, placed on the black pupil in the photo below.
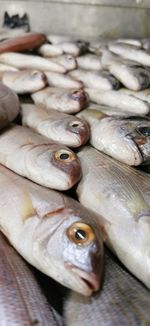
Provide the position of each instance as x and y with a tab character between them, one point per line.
75	125
145	131
64	156
80	235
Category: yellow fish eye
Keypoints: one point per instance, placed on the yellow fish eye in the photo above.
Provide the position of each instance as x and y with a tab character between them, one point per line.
65	156
80	233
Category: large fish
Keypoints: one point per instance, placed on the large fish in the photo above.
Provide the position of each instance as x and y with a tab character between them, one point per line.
9	106
39	158
52	232
60	80
21	43
17	282
68	62
122	301
127	140
89	62
25	61
124	102
61	99
98	80
121	195
50	50
63	128
24	81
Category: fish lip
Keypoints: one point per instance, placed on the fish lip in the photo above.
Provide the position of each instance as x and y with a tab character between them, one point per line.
79	96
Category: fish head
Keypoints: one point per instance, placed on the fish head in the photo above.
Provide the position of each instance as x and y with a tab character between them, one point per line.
69	62
78	98
141	138
79	130
38	78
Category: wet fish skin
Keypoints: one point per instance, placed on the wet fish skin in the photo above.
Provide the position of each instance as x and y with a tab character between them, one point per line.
68	61
39	158
126	226
110	111
62	239
89	62
17	306
50	50
4	67
9	106
24	81
127	140
59	127
21	43
61	80
143	95
59	99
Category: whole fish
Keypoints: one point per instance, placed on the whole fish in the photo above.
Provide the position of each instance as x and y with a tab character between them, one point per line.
130	52
39	158
123	102
127	140
67	61
50	50
118	303
4	67
61	99
53	232
25	61
24	42
9	106
89	62
127	72
24	81
98	80
17	282
121	195
143	95
60	80
60	127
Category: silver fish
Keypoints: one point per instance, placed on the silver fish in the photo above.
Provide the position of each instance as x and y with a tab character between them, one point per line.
52	232
127	140
123	102
25	61
61	99
17	282
60	127
24	81
60	80
67	61
89	62
50	50
39	158
9	106
120	194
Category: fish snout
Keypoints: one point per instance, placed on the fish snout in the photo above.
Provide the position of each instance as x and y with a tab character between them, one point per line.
81	129
80	96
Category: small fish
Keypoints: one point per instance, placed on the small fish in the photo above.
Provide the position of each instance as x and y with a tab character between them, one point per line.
59	127
50	50
130	52
131	75
66	60
63	81
24	81
97	80
120	195
21	43
25	61
17	282
143	95
89	62
38	158
127	140
9	106
64	100
53	232
123	102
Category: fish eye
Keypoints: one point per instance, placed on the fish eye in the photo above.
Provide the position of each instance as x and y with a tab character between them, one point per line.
75	124
80	233
64	155
145	131
34	73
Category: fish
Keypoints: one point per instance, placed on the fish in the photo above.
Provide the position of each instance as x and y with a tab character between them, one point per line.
134	42
123	102
38	158
97	80
25	61
24	81
131	75
57	126
66	60
130	52
120	195
50	50
117	303
63	81
143	95
61	99
71	48
110	111
126	140
21	43
89	62
9	106
62	239
17	281
4	67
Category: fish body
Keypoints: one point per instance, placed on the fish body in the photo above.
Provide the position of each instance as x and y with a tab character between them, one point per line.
61	99
66	60
21	43
120	194
89	62
25	61
4	67
135	42
127	140
109	110
50	50
60	80
61	238
9	106
60	127
39	158
57	39
143	95
24	81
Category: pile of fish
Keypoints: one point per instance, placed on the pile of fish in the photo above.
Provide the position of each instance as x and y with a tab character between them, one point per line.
75	115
